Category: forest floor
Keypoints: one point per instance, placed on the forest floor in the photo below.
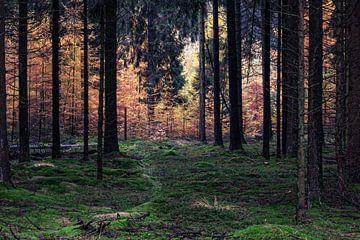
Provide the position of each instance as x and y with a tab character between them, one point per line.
167	190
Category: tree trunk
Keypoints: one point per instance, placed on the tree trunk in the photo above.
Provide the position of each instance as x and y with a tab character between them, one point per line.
353	96
235	137
290	77
202	77
99	161
217	103
315	121
340	135
86	82
23	82
238	20
151	68
278	83
56	82
111	137
300	211
4	151
266	78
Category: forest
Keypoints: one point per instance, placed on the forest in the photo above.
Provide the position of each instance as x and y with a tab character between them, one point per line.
180	119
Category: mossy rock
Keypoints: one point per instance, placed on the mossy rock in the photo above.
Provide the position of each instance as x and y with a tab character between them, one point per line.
271	232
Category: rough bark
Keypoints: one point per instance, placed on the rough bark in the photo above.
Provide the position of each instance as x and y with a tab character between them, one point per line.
202	77
217	103
353	95
315	121
111	136
266	78
86	82
4	151
235	138
301	206
56	81
23	82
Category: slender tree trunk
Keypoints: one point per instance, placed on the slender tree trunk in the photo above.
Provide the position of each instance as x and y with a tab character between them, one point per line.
238	20
111	137
340	136
99	161
55	80
217	103
266	78
86	82
284	56
301	206
202	76
151	67
125	125
278	83
353	96
235	137
23	82
315	122
4	151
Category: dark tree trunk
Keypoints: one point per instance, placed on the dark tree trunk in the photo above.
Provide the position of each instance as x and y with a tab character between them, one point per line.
23	82
340	135
278	83
235	137
86	82
56	82
290	77
301	158
266	78
353	96
111	137
315	121
202	77
238	20
217	103
99	161
4	151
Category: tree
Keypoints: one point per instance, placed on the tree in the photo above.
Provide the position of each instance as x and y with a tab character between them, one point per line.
315	122
353	96
235	137
290	78
101	98
111	137
238	21
278	82
55	80
202	76
301	206
217	103
4	152
266	79
23	81
86	81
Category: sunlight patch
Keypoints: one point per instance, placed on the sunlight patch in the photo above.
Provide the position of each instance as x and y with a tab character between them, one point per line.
215	204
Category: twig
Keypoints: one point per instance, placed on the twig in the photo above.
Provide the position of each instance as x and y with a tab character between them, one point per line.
13	233
34	224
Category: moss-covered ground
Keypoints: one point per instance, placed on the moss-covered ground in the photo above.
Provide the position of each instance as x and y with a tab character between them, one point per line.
167	190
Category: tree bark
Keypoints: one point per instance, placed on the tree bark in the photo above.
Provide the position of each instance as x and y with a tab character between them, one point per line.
5	175
315	121
266	78
56	82
353	96
111	137
278	82
235	137
202	76
238	22
99	161
86	82
301	206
